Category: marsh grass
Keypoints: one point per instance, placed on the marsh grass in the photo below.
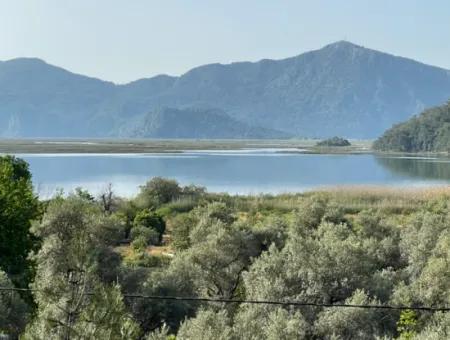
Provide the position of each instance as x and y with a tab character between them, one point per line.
352	199
390	200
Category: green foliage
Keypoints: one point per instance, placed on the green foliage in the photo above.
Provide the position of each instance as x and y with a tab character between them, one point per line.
106	317
430	131
126	212
173	280
161	334
334	141
182	226
150	220
207	325
353	323
139	243
158	191
14	312
68	264
268	322
407	324
438	327
342	247
145	236
18	207
84	194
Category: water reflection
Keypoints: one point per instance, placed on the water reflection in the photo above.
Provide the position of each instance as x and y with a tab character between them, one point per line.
418	167
232	172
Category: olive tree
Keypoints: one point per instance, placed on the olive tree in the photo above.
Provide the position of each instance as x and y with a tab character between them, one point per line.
14	312
70	294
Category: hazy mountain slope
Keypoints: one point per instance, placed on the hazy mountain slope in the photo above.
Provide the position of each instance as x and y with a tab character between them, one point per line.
37	99
341	89
430	131
192	123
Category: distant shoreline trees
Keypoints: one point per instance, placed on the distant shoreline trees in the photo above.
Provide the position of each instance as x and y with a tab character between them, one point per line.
334	141
427	132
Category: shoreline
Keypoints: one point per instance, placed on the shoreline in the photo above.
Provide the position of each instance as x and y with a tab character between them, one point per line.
156	146
142	146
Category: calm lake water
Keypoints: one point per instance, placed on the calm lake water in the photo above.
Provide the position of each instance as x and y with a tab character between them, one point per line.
239	171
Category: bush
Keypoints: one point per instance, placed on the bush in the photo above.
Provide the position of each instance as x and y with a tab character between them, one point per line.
151	220
149	236
335	141
158	191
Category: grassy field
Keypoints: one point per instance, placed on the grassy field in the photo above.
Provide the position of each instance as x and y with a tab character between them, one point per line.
155	146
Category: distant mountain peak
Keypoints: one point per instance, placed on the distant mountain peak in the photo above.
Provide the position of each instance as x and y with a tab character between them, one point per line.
347	47
27	61
343	44
340	89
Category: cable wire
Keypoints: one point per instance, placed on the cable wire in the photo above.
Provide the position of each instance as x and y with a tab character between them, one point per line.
262	302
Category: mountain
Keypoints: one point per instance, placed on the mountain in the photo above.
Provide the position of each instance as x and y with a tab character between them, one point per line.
194	123
342	89
40	100
430	131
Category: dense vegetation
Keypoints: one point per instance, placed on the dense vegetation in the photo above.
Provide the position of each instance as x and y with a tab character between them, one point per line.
194	123
334	141
341	89
345	246
428	132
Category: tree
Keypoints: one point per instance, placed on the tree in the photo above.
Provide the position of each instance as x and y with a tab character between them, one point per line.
158	191
334	141
107	199
127	211
71	294
269	322
353	323
19	206
407	324
207	325
150	220
14	312
429	131
182	225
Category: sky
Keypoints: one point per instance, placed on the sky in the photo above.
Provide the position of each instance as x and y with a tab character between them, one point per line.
124	40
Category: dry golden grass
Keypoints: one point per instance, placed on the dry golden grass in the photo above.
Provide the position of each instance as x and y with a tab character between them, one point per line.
127	251
160	251
384	192
355	198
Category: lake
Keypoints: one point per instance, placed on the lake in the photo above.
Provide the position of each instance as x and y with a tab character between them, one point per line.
235	171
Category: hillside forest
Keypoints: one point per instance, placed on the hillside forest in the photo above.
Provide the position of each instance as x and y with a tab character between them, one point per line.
427	132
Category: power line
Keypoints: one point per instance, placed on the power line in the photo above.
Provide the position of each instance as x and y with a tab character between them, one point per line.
262	302
288	303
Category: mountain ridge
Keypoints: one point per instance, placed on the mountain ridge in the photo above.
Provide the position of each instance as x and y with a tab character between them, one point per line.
166	75
341	89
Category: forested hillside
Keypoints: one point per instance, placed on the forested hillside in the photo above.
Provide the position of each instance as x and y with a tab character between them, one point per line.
193	123
427	132
109	268
342	89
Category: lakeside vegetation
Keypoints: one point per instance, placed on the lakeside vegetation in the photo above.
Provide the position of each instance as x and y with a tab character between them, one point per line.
334	141
86	255
427	132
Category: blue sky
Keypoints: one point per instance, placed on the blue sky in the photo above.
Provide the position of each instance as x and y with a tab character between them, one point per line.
123	40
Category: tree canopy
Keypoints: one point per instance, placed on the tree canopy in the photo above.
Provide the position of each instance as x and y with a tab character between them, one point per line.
19	206
334	141
427	132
